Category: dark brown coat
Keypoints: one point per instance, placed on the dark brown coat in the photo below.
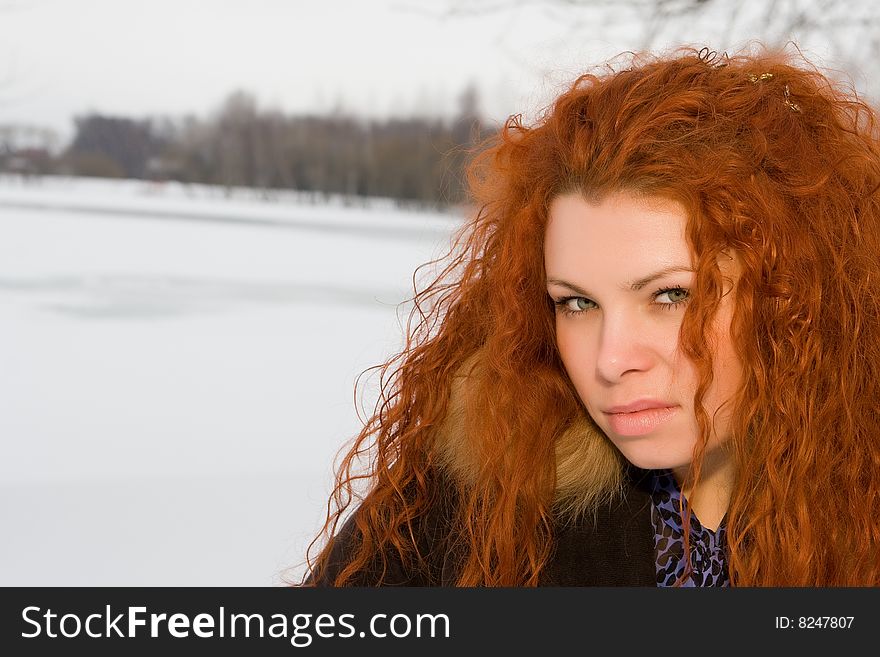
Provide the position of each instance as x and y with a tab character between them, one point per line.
614	548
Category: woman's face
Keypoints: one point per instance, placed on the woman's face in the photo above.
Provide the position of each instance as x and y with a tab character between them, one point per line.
620	273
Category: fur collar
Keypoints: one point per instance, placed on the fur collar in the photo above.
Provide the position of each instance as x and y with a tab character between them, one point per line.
589	468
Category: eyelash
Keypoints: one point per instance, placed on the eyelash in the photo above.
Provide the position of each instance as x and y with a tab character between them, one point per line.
562	304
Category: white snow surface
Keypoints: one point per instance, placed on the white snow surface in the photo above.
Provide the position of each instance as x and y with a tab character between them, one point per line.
178	372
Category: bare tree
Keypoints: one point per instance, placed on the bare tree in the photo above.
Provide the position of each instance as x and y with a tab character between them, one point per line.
417	160
845	33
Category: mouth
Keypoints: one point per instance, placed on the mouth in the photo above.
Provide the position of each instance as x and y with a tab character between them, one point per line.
640	422
643	404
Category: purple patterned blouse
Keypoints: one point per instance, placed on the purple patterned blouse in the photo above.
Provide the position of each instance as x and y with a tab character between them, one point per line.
707	547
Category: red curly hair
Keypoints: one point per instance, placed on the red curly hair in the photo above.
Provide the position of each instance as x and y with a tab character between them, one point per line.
769	158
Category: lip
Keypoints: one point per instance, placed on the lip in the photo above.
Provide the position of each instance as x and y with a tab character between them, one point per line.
640	417
639	405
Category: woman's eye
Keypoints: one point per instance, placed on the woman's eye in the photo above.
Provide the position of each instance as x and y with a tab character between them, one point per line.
572	305
673	295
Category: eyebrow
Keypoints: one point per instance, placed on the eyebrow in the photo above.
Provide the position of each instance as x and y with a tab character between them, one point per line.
635	286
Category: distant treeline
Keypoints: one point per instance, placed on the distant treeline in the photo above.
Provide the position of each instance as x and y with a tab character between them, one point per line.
417	159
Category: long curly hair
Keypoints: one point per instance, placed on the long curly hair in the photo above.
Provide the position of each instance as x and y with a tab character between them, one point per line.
769	158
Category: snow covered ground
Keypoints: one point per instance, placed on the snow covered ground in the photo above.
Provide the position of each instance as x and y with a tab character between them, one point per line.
177	373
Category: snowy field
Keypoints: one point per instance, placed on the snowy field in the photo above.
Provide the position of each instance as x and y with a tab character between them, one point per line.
178	373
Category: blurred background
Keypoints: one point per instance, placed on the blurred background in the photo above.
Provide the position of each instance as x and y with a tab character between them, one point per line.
211	220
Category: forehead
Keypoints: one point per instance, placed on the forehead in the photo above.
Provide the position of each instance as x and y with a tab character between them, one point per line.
620	235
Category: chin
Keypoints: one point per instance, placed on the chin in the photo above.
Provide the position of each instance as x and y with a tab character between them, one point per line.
653	461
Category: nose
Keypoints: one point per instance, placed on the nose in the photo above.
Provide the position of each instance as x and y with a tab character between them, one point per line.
624	347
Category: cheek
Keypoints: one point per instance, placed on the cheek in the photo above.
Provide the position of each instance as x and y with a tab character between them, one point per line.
728	371
577	352
728	377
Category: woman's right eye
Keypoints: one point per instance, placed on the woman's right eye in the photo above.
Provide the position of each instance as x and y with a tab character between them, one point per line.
574	305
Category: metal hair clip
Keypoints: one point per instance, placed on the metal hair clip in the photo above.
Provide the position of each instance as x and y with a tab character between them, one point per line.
793	106
754	79
759	78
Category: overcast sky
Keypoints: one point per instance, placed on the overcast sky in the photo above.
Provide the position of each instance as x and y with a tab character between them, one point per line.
59	58
131	57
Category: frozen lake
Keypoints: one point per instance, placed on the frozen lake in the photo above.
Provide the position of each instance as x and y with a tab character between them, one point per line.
178	374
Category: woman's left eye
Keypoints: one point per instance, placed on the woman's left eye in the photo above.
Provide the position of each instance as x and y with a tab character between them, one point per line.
674	296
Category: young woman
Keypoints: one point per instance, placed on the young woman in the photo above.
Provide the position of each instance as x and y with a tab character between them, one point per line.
654	356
